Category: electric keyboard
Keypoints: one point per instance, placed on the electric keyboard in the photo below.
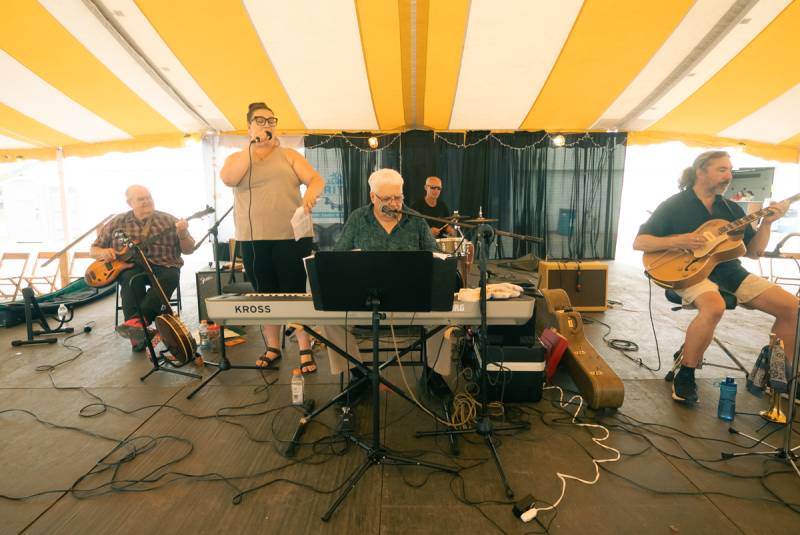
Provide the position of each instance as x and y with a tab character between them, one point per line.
250	309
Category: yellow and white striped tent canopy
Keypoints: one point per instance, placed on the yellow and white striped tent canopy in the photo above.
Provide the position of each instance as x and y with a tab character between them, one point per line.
92	76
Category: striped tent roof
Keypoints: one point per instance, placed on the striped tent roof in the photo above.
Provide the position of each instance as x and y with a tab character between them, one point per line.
92	76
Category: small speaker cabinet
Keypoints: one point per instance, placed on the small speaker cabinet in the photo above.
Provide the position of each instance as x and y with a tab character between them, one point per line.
206	281
586	283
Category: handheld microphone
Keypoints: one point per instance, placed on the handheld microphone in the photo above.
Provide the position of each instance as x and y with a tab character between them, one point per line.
257	139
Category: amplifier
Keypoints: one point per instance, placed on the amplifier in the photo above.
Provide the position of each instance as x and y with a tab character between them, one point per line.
586	283
515	373
206	281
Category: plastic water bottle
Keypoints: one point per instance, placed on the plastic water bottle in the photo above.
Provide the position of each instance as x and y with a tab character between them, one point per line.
726	409
213	337
204	343
62	312
298	384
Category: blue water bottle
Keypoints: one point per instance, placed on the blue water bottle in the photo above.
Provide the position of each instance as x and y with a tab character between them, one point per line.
726	409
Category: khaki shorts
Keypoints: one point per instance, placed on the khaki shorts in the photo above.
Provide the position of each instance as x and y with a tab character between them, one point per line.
750	288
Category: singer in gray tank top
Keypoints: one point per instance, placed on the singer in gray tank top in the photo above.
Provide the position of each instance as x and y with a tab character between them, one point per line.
266	180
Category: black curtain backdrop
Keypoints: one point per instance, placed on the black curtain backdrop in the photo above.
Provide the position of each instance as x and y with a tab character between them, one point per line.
348	158
569	195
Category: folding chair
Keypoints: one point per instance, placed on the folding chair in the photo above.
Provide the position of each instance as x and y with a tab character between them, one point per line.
12	268
77	266
49	278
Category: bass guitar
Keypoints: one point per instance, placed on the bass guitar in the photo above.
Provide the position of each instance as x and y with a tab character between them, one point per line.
102	273
175	335
681	268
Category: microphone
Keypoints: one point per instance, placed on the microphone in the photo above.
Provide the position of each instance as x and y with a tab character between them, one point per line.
257	139
388	211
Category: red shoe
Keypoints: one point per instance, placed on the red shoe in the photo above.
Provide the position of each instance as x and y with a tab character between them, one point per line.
132	329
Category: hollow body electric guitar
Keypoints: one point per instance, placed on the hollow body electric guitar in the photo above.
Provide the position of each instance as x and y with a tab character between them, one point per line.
102	273
175	335
681	268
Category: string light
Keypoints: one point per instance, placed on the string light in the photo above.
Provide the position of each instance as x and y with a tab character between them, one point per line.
553	139
557	140
347	140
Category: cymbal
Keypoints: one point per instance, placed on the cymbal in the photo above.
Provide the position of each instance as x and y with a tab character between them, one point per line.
480	220
456	217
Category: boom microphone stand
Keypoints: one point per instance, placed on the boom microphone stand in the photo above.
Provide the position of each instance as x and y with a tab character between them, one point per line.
223	364
786	452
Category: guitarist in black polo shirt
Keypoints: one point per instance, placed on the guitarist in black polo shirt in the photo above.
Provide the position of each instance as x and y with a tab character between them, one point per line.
673	226
432	206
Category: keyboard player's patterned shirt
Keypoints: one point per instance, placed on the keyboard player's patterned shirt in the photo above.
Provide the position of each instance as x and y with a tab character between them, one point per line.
363	231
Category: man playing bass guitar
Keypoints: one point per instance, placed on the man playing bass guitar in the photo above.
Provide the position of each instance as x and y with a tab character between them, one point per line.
164	255
673	226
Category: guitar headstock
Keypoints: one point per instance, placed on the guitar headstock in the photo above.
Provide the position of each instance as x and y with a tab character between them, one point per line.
202	213
122	238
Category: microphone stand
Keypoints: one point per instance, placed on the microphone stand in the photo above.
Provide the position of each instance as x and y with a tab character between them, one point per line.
786	452
223	364
484	426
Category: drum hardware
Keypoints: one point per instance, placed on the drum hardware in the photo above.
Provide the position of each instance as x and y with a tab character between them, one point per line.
455	217
480	220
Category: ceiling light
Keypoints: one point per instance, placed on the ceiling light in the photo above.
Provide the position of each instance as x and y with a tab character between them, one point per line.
373	142
559	140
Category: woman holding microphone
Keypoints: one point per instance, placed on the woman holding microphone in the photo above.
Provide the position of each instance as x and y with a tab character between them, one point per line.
266	180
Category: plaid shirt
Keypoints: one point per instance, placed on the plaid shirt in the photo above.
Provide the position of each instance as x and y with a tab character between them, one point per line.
164	251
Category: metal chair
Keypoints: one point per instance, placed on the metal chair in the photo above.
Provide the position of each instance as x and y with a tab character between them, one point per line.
11	273
730	303
175	302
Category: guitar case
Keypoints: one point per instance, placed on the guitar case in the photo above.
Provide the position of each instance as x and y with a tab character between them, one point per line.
596	381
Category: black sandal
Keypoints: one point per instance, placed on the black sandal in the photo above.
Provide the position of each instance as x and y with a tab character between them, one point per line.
264	361
308	363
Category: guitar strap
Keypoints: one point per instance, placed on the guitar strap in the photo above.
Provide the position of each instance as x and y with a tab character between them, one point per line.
145	231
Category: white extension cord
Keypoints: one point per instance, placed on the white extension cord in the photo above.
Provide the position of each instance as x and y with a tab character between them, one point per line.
531	513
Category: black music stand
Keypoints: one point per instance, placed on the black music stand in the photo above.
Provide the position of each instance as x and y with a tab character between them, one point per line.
483	426
224	364
379	281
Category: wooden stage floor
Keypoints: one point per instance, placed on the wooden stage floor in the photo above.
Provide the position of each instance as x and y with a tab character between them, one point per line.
100	451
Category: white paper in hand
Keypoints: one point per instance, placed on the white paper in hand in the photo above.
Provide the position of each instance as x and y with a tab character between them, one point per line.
302	225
